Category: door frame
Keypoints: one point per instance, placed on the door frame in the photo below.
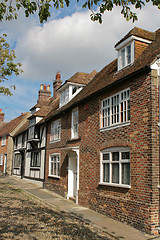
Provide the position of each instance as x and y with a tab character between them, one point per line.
73	152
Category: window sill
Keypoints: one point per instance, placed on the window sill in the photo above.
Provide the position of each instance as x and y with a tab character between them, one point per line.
55	141
74	140
54	176
115	185
114	126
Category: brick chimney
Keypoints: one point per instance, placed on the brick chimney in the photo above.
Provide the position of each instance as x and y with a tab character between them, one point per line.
56	84
1	117
44	93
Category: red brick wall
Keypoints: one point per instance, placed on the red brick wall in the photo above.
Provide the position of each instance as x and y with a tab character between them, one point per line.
3	150
139	205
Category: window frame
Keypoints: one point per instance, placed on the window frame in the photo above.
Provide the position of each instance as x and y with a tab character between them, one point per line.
123	55
55	136
110	163
74	134
115	110
1	159
3	143
57	162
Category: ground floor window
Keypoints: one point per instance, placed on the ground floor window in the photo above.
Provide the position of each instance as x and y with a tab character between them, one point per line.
1	159
35	159
54	165
17	160
115	166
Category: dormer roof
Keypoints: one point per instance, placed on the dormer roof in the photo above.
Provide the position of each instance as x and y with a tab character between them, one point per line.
138	32
79	78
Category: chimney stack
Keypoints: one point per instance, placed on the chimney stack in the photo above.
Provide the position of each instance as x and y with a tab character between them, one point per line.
1	117
56	84
44	93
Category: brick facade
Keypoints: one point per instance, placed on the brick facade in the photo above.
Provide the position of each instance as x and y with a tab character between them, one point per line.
139	205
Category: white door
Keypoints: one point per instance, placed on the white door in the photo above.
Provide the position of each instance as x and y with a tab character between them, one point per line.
72	176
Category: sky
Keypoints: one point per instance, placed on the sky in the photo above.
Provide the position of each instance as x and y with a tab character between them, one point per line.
68	42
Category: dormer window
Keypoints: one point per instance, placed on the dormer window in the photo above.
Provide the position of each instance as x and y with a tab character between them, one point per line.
126	55
69	91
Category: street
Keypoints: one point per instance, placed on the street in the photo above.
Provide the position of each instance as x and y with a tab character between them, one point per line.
25	217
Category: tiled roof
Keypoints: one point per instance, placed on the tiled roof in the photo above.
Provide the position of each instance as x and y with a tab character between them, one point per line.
41	104
109	75
23	128
81	78
8	127
138	32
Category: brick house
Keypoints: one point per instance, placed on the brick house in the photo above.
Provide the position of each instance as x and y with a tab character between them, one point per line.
103	143
6	142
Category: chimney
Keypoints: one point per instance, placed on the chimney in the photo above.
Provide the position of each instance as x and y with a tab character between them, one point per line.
1	116
44	93
56	84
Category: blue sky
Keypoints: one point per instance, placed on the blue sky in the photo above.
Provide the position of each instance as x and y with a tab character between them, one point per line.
69	42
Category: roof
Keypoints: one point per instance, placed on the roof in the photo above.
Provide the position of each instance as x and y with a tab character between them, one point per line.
138	32
109	75
41	104
8	127
22	129
80	78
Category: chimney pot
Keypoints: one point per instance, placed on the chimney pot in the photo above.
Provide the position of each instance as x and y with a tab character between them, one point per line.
45	88
48	87
41	87
58	76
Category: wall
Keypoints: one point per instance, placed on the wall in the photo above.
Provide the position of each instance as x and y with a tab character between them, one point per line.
139	205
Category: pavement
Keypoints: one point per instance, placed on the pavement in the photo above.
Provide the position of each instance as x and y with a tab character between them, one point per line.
118	230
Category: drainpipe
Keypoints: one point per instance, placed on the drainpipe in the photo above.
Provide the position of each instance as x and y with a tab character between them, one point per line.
158	64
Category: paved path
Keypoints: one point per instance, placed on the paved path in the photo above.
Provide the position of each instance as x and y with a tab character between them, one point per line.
116	229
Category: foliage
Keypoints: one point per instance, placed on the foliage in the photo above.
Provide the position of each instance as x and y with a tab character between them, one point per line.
8	10
7	65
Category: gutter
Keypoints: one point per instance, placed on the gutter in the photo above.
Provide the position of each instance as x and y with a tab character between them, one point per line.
74	104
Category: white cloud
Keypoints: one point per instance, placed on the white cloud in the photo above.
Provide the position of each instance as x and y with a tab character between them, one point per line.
75	43
70	44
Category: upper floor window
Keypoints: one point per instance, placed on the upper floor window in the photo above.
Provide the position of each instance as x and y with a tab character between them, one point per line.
55	130
74	128
23	140
54	165
115	110
1	159
3	141
126	55
115	166
68	92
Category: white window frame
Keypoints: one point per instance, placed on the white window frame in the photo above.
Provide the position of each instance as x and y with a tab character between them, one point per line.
123	60
115	110
1	159
75	120
54	165
3	140
110	163
35	159
55	134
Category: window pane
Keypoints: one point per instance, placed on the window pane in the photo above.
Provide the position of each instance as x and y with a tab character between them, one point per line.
106	172
123	57
125	155
115	173
106	156
115	156
126	173
128	54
